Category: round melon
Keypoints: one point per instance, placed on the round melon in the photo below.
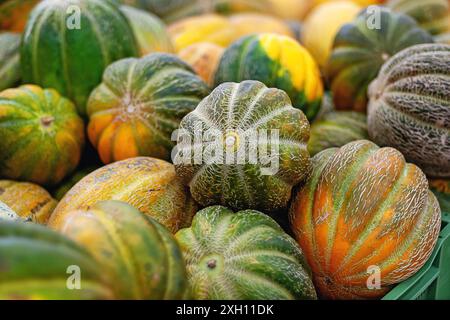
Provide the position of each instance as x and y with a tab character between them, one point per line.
150	32
139	104
41	135
204	58
9	60
362	47
336	129
40	264
410	107
137	252
244	146
243	256
277	61
322	25
364	215
30	201
68	43
14	14
431	15
148	184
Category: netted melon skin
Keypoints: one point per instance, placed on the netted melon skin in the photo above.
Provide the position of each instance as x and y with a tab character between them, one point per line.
410	107
245	108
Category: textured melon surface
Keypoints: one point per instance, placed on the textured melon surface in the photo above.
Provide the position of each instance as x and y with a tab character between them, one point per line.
69	57
150	32
362	47
139	104
237	116
136	251
41	135
277	61
148	184
431	15
410	107
336	129
243	255
9	60
38	264
364	206
28	200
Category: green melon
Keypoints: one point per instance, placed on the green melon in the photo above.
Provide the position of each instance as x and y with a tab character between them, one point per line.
59	53
139	104
150	32
38	264
9	60
362	47
410	107
335	129
277	61
244	146
431	15
137	252
41	135
243	256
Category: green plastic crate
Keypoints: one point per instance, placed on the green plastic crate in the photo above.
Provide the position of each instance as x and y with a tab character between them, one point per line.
432	282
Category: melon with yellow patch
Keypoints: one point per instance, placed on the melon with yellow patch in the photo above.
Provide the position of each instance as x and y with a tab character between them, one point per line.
148	184
277	61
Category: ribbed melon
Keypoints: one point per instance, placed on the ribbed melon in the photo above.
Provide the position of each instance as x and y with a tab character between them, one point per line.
364	215
59	53
28	200
362	47
139	104
9	60
133	249
239	119
41	135
278	62
243	256
410	107
148	184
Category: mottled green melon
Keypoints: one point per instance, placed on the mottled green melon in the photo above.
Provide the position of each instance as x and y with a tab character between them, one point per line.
41	135
150	32
244	146
431	15
277	61
243	256
139	104
336	129
40	264
9	60
68	43
410	107
137	252
362	47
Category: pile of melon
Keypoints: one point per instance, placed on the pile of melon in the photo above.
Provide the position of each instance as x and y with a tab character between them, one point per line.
221	149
